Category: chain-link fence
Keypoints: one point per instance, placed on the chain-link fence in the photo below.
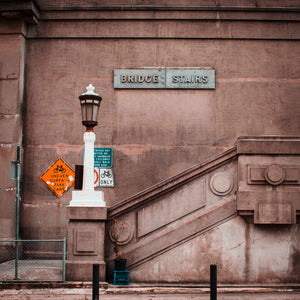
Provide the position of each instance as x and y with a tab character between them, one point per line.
32	260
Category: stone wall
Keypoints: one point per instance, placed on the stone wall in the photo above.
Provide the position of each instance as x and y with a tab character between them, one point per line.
155	134
12	56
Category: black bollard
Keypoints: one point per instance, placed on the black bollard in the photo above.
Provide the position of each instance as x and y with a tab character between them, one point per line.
95	282
213	282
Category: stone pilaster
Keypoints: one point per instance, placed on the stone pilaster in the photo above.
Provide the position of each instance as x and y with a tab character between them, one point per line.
85	242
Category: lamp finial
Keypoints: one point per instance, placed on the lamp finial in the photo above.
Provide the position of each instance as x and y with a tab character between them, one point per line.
90	90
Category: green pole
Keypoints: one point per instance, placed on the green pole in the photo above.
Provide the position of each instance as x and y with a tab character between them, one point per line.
18	178
64	259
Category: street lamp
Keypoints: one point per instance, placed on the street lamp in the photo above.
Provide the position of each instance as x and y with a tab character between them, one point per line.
90	103
87	212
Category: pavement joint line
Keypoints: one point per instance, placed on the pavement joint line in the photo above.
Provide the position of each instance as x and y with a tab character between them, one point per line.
144	289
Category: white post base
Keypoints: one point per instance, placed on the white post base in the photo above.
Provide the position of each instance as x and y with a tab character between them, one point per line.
87	198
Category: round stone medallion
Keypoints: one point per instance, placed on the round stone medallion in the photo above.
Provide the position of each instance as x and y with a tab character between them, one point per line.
274	174
221	184
120	232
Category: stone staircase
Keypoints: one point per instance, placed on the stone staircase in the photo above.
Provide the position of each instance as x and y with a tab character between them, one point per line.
144	225
202	216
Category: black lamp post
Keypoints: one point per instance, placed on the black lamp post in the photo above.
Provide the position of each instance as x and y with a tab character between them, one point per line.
90	103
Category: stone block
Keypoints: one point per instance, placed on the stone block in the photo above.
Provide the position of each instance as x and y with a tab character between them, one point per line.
86	213
85	242
43	220
8	204
10	129
12	25
7	154
93	238
269	253
238	3
10	97
273	213
7	214
7	192
11	56
83	270
268	145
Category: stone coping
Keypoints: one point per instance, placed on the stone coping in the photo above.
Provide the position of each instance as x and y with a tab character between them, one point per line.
88	213
268	145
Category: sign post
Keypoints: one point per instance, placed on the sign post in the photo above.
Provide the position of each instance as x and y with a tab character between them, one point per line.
15	174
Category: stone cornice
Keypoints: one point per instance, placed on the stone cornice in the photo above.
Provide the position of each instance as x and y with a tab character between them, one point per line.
168	5
26	10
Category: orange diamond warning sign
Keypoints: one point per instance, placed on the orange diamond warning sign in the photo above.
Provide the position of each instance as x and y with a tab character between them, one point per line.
59	177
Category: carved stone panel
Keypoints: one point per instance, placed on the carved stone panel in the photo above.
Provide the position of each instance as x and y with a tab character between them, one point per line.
269	188
187	199
273	174
120	232
85	242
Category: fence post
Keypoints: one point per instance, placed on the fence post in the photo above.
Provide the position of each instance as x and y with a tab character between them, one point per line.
95	282
213	282
64	259
18	179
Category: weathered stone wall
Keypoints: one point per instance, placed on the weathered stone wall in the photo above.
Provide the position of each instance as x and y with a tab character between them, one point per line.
252	45
154	133
244	253
12	55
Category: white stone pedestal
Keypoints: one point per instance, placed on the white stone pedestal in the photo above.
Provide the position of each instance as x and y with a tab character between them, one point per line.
88	196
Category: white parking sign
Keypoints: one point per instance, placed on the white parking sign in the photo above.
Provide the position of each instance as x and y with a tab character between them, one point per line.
104	177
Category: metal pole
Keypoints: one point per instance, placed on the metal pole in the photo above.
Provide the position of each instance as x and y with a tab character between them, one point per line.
95	282
213	282
64	259
18	178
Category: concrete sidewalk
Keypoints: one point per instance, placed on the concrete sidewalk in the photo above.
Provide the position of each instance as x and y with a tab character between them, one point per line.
109	292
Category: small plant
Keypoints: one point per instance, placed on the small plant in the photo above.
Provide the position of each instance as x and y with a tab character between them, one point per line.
118	252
